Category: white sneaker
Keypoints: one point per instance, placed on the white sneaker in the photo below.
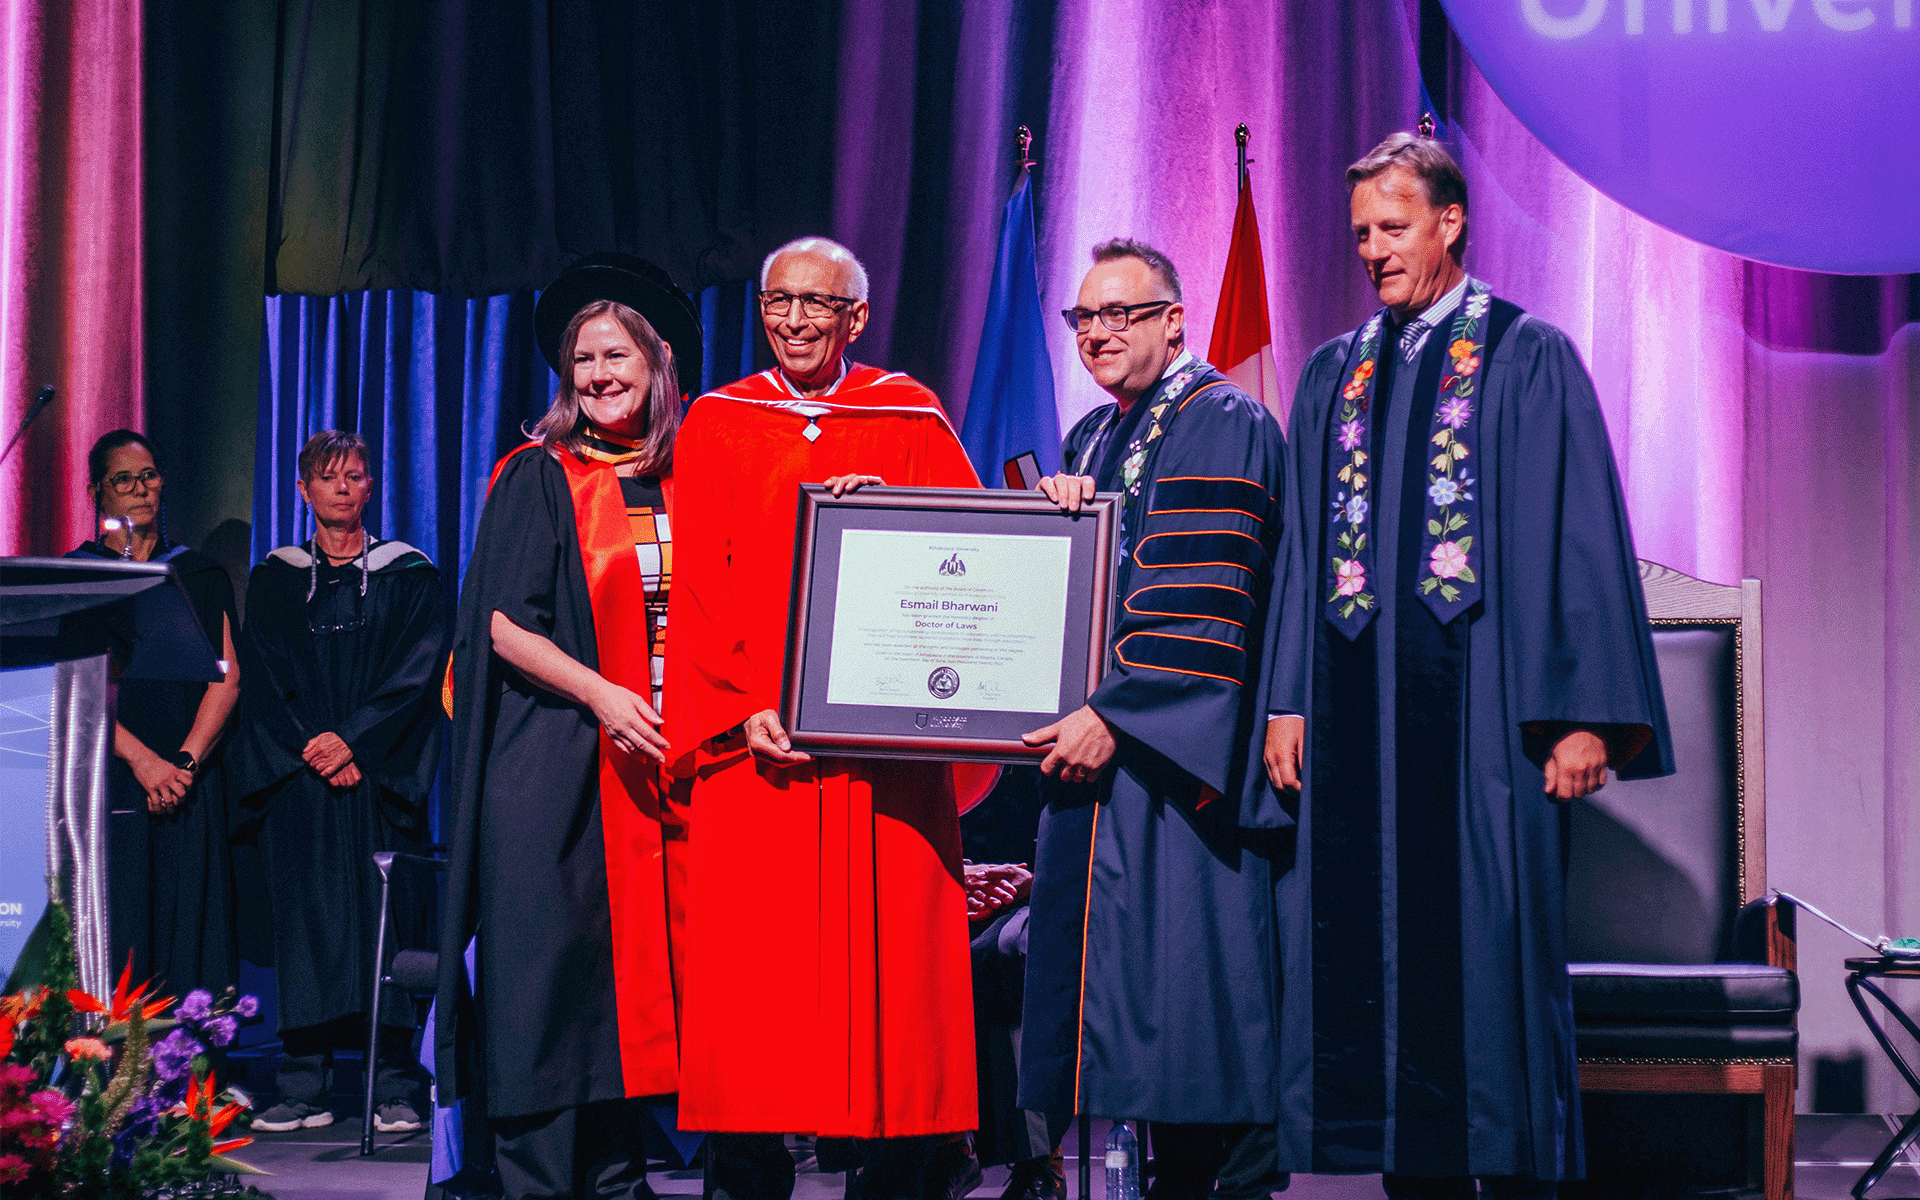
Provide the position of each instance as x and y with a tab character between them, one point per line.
396	1116
289	1115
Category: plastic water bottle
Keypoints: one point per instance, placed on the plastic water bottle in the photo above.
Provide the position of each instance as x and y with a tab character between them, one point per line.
1123	1163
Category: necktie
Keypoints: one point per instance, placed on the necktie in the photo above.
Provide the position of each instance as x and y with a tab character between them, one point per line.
1412	334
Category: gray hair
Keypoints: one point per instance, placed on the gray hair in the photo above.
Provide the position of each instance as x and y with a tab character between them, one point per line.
1439	175
328	447
826	248
1160	264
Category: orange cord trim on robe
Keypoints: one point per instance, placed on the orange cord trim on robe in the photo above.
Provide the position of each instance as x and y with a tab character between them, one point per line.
1201	391
1176	670
1086	919
1147	566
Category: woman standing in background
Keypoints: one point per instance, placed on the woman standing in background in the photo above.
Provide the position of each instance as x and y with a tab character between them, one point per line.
170	885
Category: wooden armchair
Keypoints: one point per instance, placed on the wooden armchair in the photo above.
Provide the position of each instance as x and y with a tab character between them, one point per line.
1683	970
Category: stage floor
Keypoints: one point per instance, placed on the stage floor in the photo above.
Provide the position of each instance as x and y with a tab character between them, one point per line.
325	1164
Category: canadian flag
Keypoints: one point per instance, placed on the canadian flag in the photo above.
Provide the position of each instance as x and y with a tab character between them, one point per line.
1242	339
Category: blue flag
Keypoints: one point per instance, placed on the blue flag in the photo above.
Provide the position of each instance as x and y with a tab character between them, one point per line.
1010	405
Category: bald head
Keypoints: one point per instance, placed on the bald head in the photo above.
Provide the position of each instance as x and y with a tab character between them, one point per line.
813	304
851	275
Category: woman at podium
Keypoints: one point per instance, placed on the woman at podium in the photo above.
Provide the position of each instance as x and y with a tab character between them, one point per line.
170	877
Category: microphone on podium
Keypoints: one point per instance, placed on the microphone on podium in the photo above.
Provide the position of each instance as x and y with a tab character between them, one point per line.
41	399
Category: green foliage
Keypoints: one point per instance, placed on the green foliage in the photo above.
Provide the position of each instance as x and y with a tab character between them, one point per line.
41	1042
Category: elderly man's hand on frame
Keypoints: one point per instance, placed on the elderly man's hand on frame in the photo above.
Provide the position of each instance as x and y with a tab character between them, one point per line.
768	740
840	485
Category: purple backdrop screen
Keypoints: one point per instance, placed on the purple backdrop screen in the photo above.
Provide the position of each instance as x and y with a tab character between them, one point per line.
1786	131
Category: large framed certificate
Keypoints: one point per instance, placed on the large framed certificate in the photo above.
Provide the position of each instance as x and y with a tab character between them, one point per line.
943	622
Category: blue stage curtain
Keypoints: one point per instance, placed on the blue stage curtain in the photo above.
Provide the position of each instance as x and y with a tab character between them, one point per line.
438	387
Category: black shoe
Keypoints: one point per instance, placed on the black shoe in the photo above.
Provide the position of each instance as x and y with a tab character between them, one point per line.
951	1172
878	1171
748	1166
1035	1179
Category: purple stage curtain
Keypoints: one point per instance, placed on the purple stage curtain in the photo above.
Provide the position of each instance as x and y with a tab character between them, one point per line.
70	254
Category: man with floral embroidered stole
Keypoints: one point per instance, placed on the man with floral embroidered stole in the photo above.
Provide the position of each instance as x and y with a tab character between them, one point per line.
1150	969
1461	647
828	981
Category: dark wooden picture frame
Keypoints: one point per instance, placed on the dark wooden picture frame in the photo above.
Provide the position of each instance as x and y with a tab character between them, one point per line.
941	732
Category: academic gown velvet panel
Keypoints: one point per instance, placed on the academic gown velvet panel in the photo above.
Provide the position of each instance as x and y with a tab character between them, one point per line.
1452	1056
1151	969
368	669
543	1026
828	979
171	898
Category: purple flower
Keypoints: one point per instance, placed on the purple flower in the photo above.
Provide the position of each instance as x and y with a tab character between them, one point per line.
143	1120
173	1057
248	1006
1455	412
1350	435
221	1029
1356	509
198	1006
1443	492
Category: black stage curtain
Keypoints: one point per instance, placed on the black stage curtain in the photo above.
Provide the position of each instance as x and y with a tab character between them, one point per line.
468	148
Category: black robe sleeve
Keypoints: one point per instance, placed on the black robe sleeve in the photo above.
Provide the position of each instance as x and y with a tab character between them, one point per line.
1195	589
1576	614
392	733
1289	641
1286	646
272	735
525	565
211	591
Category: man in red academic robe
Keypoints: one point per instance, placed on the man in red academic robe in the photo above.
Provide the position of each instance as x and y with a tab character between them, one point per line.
827	983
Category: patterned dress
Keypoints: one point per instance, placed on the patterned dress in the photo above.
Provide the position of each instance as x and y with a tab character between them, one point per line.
653	543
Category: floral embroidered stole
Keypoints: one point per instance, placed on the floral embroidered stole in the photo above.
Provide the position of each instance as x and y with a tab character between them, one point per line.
1450	583
1164	403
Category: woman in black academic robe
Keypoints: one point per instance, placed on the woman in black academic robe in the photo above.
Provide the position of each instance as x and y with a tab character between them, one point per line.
363	664
566	839
170	875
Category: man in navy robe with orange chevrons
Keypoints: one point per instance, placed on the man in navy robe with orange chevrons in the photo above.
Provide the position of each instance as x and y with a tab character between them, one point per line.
1151	957
1460	648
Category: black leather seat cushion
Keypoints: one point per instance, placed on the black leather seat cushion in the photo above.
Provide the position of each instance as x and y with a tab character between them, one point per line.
1706	994
1714	1042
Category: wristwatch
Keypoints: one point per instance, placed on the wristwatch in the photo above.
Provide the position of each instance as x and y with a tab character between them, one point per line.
185	762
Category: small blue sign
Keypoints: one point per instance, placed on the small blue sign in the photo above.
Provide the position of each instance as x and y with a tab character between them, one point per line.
26	711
